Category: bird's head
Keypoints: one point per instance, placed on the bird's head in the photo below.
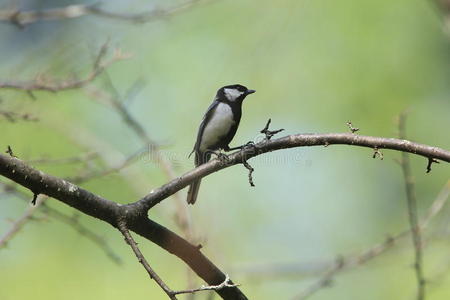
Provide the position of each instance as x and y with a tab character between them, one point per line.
233	93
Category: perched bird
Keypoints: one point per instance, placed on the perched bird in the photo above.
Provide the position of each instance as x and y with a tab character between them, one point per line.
218	127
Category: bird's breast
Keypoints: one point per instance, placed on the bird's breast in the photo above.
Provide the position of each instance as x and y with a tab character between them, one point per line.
218	126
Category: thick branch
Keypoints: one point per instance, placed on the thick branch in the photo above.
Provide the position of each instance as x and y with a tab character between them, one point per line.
290	141
108	211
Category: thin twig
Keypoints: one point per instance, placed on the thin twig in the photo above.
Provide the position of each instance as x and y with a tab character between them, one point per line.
412	212
351	261
72	221
436	206
437	278
350	126
84	157
377	153
40	84
269	133
23	18
93	174
226	283
430	162
9	151
19	223
250	172
153	275
75	224
33	201
12	116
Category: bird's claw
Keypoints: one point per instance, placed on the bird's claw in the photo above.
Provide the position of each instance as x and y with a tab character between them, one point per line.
221	156
249	145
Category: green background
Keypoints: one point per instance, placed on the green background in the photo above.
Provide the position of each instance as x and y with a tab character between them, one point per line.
315	66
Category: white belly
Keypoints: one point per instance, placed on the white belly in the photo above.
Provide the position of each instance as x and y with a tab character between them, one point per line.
217	127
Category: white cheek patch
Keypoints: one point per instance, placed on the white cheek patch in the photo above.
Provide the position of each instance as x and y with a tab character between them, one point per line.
232	94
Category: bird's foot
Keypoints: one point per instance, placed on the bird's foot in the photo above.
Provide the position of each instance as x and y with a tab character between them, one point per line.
250	144
221	156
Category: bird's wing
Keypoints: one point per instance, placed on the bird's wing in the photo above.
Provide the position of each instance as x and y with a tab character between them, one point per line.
209	113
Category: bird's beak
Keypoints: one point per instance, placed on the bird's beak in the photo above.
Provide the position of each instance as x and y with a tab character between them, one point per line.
250	92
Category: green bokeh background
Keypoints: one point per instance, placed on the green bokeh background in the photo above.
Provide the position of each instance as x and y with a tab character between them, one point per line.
315	65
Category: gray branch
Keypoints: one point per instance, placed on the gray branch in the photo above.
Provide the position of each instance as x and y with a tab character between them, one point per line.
290	141
110	212
135	214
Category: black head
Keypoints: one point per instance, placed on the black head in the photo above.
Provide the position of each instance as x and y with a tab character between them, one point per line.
233	93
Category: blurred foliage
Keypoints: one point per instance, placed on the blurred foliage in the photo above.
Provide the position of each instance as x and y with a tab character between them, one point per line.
315	65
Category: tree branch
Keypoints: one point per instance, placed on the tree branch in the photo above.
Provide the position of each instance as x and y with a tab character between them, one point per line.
92	174
290	141
224	284
183	217
19	223
121	225
153	275
351	261
40	84
23	18
412	210
12	116
182	214
135	213
84	157
72	221
108	211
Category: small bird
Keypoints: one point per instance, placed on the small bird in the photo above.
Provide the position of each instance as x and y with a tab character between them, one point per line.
218	127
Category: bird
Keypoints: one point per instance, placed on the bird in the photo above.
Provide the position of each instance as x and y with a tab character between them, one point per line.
218	127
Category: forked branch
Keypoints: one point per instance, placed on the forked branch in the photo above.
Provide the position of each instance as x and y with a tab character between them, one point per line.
135	214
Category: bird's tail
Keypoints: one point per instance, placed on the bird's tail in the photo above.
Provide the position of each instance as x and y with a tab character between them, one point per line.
193	192
200	158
